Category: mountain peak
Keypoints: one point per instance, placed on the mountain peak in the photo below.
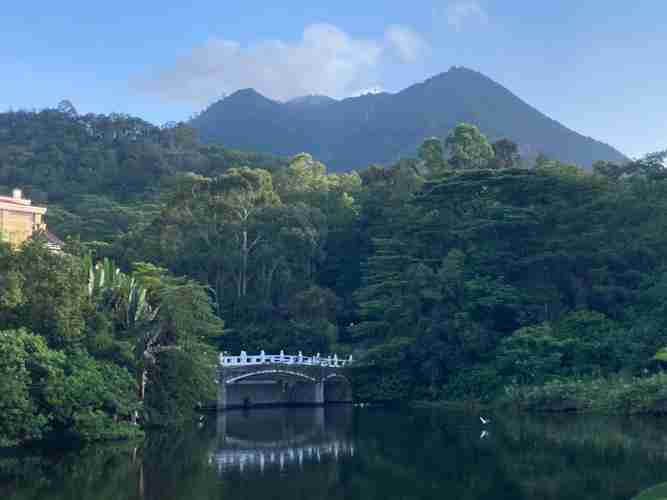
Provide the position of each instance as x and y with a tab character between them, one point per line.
311	100
382	128
247	94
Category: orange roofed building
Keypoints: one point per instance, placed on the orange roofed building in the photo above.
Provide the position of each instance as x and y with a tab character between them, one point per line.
20	219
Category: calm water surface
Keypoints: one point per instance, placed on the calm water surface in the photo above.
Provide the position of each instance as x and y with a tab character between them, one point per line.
358	454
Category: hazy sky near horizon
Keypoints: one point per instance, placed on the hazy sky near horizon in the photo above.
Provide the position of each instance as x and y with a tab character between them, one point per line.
597	66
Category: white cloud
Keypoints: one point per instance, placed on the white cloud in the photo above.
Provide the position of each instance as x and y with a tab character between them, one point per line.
463	13
408	44
371	90
326	60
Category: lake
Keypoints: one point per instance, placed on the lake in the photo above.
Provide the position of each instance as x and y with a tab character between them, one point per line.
359	453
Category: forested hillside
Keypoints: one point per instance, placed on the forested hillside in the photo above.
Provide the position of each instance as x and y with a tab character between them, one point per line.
456	273
100	174
382	128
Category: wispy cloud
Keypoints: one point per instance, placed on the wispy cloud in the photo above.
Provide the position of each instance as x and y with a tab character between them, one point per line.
462	14
409	45
326	60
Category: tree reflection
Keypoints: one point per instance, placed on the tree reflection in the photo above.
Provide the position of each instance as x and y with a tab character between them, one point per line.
335	453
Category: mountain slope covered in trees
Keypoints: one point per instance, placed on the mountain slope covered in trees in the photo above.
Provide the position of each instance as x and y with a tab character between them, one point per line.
100	174
455	273
382	128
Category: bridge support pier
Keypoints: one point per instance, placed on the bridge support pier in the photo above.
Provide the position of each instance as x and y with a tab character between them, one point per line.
222	393
319	393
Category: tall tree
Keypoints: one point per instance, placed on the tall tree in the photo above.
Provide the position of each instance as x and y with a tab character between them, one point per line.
432	154
468	147
506	154
45	293
240	197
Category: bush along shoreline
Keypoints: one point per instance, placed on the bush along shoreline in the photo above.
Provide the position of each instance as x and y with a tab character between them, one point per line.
623	396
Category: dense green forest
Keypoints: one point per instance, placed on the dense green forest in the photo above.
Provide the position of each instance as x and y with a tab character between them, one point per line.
455	274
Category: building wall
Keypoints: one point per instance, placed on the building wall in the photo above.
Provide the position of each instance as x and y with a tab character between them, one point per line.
16	227
19	219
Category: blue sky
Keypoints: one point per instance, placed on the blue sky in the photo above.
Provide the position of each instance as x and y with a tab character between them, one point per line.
597	66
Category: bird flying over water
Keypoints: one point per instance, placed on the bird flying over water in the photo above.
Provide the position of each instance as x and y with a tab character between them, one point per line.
484	420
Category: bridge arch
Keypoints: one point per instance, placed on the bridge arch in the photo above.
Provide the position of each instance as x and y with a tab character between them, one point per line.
337	388
269	373
337	376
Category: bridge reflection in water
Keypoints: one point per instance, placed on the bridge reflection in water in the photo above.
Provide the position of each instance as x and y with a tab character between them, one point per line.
281	438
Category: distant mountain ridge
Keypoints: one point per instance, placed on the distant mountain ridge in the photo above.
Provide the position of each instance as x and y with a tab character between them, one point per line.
382	127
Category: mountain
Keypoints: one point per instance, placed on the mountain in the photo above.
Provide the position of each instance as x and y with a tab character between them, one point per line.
383	127
310	100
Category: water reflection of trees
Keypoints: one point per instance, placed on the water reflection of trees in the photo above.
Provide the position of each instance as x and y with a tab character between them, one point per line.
411	455
180	463
583	457
522	458
98	473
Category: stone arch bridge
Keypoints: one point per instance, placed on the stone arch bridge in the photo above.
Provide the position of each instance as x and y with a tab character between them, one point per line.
279	380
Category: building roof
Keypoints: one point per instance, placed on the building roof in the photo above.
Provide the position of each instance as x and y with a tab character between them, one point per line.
20	205
9	199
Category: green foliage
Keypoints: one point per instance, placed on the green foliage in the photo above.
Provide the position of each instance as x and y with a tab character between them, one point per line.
101	174
444	282
658	492
50	393
21	419
180	382
468	147
82	374
431	152
581	343
630	396
505	154
91	400
661	355
651	166
44	293
515	276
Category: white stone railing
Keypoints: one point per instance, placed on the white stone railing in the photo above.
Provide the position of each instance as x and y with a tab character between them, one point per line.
245	359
